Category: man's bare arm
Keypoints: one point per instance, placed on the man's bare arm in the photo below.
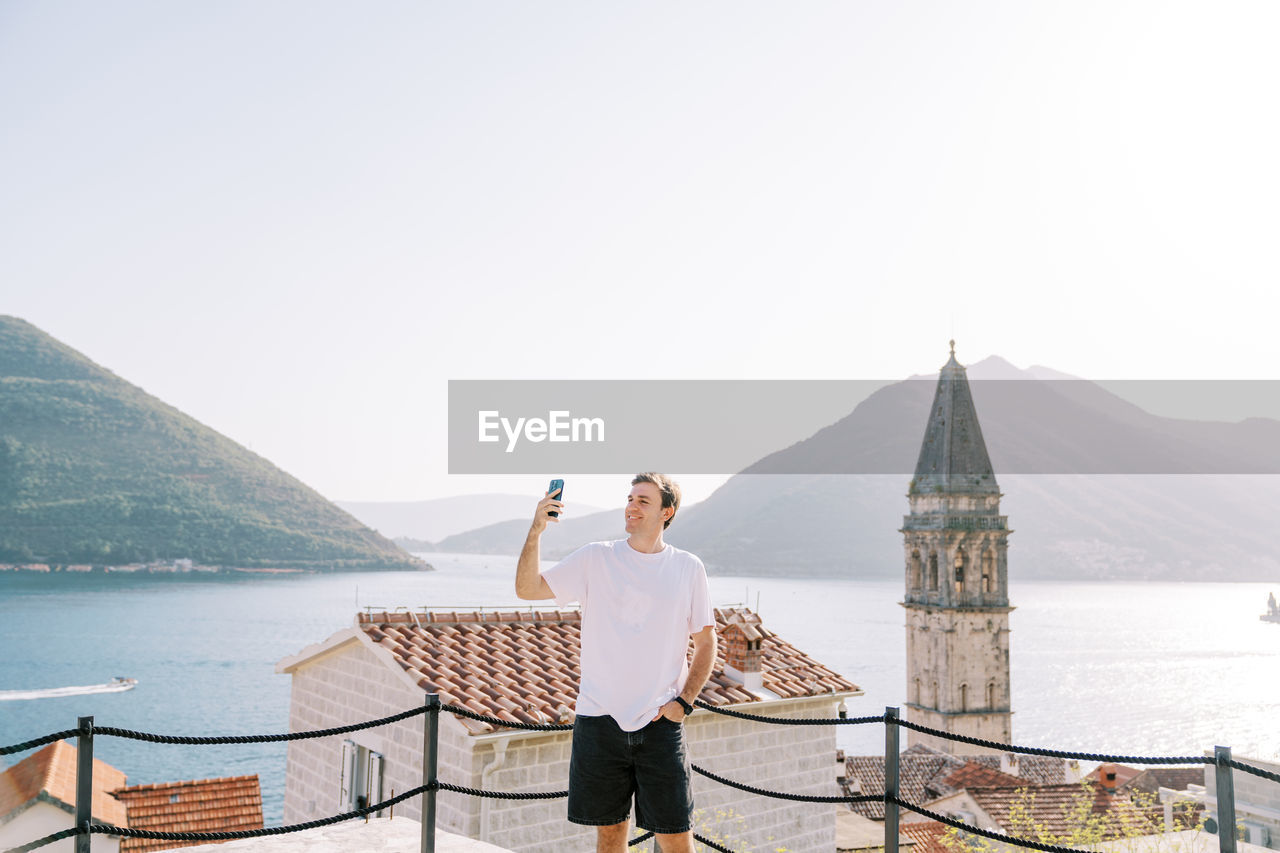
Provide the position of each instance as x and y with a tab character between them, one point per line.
530	584
704	657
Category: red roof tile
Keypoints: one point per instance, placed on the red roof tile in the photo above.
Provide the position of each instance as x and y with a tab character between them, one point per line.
923	774
50	774
524	666
974	775
207	805
927	835
1051	808
1124	774
1153	779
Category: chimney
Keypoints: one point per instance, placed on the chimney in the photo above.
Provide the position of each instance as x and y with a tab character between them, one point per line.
1107	777
743	655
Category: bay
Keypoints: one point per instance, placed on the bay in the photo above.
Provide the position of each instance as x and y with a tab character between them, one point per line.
1134	668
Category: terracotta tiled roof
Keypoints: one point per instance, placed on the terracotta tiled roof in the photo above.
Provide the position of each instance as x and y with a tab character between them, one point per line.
925	774
1153	779
1124	774
50	775
208	805
976	775
522	666
1051	807
927	835
1036	769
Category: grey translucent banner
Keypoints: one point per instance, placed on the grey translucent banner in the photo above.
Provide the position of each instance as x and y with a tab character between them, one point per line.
1045	426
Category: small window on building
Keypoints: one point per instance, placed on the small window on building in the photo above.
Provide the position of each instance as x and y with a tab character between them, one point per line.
361	777
933	571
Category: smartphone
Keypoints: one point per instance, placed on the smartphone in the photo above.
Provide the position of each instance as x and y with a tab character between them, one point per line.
556	486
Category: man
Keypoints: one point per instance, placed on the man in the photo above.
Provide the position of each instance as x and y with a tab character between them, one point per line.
641	601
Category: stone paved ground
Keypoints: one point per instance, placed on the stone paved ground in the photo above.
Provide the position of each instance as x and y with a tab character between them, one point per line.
380	835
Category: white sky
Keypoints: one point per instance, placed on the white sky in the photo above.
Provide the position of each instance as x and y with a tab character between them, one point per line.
296	221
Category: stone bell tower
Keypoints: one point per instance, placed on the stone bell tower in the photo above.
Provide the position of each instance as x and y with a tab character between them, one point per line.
957	579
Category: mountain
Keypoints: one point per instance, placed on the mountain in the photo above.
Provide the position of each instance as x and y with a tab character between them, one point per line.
507	537
433	520
95	470
1074	461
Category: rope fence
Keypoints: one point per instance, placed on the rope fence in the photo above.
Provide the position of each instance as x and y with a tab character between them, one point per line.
85	827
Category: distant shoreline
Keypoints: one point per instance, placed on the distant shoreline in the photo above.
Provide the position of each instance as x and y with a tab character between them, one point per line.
194	569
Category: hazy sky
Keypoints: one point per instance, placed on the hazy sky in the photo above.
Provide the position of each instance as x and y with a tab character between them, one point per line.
296	221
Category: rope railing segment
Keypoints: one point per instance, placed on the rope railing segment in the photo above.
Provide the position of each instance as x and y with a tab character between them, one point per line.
504	795
48	839
1055	753
193	740
779	795
709	843
40	741
511	724
985	833
792	721
1248	768
889	718
640	839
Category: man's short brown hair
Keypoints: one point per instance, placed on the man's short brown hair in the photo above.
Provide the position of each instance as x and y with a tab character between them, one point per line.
667	486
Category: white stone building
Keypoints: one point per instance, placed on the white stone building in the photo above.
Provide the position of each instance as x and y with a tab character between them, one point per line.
1257	801
38	798
523	667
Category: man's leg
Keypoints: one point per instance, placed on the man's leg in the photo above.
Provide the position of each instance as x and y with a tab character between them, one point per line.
613	838
601	781
681	842
664	796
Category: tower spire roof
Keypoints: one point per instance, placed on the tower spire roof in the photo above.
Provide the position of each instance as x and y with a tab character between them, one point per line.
953	457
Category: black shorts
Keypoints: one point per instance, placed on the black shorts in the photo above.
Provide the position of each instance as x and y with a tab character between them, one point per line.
607	766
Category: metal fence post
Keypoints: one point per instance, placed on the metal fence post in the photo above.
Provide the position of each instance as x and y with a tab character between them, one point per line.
84	783
890	780
1226	799
430	753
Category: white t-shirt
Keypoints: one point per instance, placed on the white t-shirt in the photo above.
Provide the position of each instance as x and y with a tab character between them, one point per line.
638	611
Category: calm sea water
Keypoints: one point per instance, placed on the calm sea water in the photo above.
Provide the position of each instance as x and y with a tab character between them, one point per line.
1146	668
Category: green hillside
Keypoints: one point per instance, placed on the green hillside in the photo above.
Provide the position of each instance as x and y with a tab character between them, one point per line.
95	470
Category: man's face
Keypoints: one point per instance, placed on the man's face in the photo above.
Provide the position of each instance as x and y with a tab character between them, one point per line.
644	512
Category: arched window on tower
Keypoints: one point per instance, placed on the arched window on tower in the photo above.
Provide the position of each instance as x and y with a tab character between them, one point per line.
991	695
989	571
913	570
935	695
916	696
933	571
961	559
964	697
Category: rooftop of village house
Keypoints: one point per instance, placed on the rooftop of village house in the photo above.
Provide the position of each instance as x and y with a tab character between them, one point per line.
523	666
204	805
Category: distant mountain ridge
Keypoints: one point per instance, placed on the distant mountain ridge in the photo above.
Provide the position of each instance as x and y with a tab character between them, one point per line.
95	470
771	520
438	518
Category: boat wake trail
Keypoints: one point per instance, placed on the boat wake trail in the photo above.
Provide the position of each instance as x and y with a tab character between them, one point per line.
116	685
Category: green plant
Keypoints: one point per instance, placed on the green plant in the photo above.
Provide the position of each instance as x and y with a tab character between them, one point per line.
1089	822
